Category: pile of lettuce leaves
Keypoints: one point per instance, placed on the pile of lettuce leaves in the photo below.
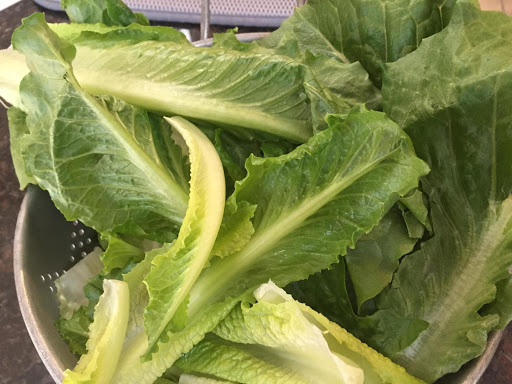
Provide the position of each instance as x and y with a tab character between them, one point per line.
328	204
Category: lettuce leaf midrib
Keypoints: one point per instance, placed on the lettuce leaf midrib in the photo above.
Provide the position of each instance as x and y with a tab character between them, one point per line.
486	244
161	179
289	118
196	108
263	240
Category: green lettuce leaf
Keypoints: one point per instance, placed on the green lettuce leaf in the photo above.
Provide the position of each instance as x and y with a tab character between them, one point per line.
119	253
369	31
242	363
278	340
109	12
317	200
459	120
340	85
384	330
375	258
100	35
232	88
17	129
74	328
221	86
87	153
173	273
106	337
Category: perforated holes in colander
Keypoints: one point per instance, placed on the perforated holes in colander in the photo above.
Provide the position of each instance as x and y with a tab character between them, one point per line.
82	241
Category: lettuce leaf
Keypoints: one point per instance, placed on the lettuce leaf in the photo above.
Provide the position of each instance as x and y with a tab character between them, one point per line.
173	273
222	86
109	12
86	151
17	129
313	203
106	337
452	97
278	340
384	329
369	31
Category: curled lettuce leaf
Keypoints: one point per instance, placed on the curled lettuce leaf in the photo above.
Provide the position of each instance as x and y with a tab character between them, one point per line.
174	273
106	337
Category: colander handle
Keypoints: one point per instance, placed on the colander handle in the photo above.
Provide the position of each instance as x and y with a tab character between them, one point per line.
205	17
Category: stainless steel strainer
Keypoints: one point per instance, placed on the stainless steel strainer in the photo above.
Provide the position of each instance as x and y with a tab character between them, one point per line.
46	245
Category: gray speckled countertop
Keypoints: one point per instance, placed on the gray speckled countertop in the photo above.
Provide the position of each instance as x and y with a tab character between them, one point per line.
19	361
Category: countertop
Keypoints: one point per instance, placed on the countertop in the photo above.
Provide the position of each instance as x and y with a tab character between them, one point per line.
19	361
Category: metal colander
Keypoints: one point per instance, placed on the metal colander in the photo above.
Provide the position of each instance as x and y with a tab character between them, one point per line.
46	245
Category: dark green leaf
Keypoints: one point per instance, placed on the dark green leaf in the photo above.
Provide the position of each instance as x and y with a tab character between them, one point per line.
109	12
385	330
369	31
452	96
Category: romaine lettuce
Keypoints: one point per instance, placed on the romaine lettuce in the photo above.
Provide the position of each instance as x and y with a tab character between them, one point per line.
110	12
105	339
173	273
452	96
278	340
314	203
368	31
113	177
